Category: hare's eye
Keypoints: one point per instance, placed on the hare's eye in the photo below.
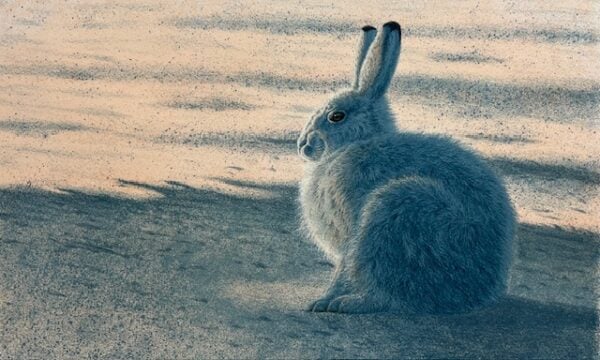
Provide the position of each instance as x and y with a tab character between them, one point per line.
336	116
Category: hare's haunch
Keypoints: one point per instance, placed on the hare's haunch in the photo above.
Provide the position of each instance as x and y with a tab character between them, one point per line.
413	222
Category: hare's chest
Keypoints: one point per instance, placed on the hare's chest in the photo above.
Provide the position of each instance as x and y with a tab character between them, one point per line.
327	209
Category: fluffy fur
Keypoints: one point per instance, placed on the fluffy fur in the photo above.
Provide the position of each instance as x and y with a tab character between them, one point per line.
413	222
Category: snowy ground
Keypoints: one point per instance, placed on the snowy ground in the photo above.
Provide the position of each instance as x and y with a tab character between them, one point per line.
148	183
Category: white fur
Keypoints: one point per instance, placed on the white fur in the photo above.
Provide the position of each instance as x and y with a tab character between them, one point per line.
412	222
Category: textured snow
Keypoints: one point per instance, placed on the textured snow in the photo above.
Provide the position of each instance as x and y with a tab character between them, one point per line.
148	177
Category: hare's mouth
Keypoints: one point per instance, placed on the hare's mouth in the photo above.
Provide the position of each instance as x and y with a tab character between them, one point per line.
311	146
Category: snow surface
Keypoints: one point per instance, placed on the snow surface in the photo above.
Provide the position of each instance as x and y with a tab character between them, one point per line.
148	177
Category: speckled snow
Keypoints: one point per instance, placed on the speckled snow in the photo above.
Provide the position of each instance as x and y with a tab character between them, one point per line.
148	175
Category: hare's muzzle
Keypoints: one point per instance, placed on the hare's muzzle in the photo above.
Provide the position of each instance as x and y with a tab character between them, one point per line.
311	146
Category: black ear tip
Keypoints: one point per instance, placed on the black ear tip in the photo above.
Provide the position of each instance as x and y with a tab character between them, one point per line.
368	28
392	25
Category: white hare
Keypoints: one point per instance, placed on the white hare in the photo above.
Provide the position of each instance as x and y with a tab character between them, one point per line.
413	222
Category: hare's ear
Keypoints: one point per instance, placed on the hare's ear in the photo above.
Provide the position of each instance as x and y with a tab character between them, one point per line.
368	35
380	63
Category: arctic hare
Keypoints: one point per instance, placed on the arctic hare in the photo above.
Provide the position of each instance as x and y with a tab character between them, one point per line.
412	222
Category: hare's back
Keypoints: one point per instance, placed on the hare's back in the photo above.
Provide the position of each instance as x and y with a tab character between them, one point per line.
365	166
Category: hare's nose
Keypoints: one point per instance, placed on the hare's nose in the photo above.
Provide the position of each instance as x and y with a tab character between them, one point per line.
307	151
311	146
302	141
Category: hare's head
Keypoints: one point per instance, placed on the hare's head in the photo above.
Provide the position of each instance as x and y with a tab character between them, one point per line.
361	112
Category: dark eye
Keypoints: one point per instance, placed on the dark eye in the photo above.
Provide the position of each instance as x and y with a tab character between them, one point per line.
336	116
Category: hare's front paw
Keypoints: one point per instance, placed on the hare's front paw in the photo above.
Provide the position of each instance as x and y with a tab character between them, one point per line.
357	304
344	304
319	305
348	304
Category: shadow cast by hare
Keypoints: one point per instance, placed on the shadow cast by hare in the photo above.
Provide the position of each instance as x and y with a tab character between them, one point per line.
414	223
